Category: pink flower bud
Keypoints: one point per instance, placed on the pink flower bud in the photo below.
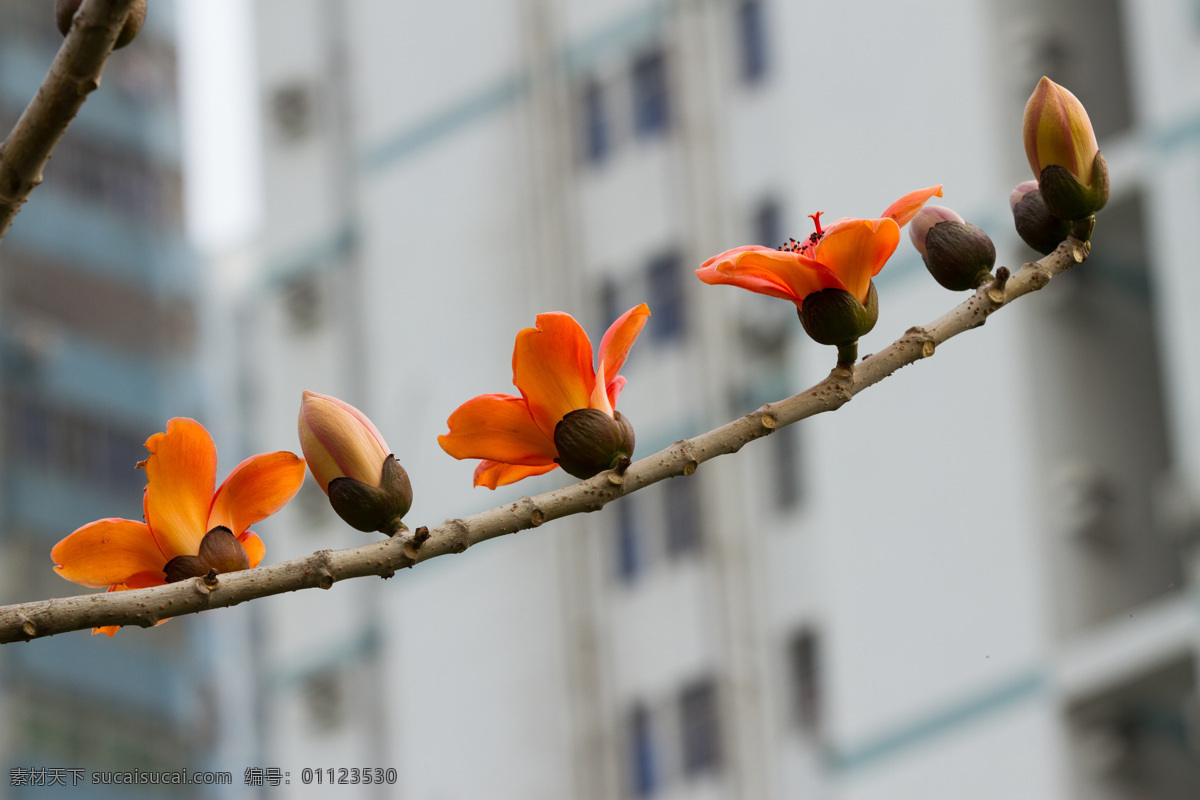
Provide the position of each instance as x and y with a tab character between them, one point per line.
925	219
340	442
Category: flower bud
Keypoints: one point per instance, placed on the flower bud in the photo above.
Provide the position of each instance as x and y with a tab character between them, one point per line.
352	464
220	552
589	441
957	254
1039	228
64	12
1063	153
834	316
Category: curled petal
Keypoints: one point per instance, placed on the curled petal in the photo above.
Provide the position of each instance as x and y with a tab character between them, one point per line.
552	366
256	489
907	206
856	249
255	549
107	552
493	473
776	273
180	475
498	427
614	348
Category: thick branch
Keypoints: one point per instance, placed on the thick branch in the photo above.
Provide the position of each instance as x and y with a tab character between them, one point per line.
145	607
73	75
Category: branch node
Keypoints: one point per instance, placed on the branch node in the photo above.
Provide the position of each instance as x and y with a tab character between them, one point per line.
995	291
460	535
210	580
918	335
622	464
28	627
767	419
691	463
536	517
201	587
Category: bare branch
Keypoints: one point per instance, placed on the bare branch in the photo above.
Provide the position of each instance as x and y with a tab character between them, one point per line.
73	75
145	607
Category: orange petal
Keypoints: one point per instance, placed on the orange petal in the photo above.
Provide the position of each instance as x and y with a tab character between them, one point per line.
907	207
180	474
552	366
493	473
724	269
256	489
614	348
254	547
776	273
107	552
498	427
856	249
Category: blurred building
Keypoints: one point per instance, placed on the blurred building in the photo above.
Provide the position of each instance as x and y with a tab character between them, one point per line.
973	581
99	322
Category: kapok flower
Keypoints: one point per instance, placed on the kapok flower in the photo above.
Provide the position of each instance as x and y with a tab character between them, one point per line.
842	257
1063	153
189	528
566	414
352	464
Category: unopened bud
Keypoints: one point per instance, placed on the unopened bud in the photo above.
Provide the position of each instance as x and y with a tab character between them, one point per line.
836	317
957	254
374	508
64	12
589	441
1035	223
1063	153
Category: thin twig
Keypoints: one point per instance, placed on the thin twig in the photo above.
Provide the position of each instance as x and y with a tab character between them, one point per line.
145	607
74	74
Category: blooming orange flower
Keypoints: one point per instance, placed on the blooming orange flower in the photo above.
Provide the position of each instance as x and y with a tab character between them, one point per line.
552	368
180	507
845	255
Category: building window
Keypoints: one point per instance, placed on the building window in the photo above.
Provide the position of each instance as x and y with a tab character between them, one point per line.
752	29
768	223
629	554
684	533
324	695
805	670
700	744
644	777
293	110
651	106
785	466
664	278
596	134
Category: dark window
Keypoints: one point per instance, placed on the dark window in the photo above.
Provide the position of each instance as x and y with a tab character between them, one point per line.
643	762
805	669
684	534
785	467
664	278
629	556
768	224
701	744
753	30
651	106
595	123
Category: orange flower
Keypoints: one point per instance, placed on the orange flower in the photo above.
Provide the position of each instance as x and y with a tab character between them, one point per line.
180	507
552	367
846	255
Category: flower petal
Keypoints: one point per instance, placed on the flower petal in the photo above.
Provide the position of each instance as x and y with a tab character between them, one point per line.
615	345
339	440
255	549
493	473
907	206
776	273
498	427
256	489
552	366
180	475
856	249
106	552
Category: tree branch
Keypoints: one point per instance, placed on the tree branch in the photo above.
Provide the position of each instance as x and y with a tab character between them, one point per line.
73	75
322	569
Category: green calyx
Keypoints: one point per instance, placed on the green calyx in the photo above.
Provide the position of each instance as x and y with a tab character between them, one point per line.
589	441
959	255
369	508
836	317
1067	197
220	552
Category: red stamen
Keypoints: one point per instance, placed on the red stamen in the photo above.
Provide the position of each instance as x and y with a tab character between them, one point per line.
816	218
